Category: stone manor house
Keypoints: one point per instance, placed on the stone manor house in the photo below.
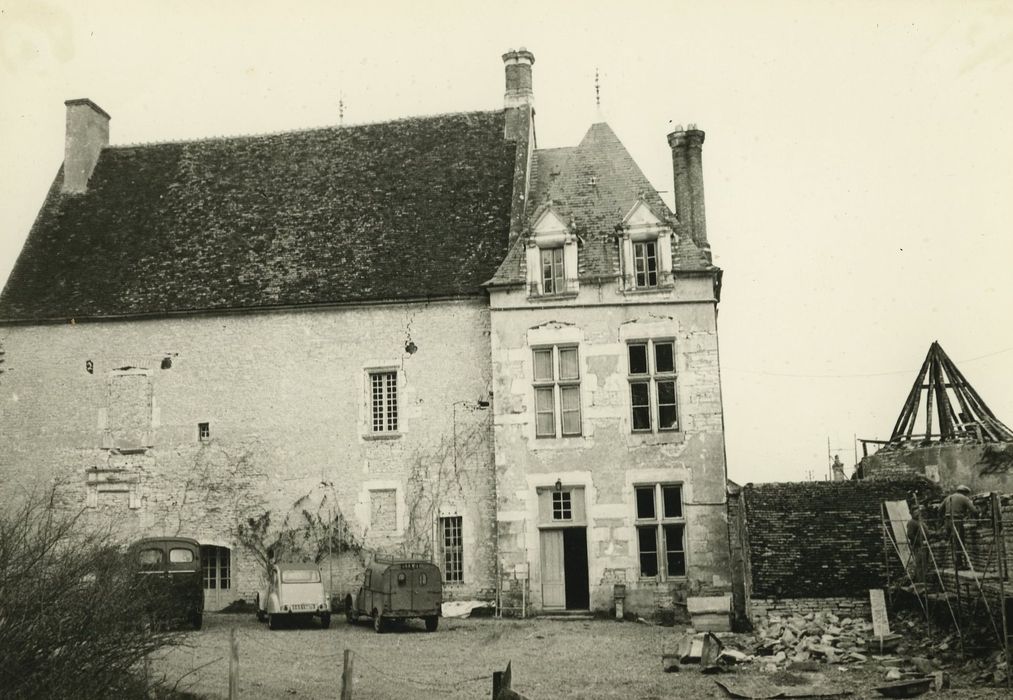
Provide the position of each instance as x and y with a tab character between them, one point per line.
429	333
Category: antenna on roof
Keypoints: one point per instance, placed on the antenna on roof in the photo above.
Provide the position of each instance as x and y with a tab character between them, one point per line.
341	109
597	89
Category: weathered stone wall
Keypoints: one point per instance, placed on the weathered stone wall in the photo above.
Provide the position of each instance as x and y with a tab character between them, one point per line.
608	460
88	406
820	539
981	467
842	607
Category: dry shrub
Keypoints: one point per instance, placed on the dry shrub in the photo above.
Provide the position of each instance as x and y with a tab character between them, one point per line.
74	616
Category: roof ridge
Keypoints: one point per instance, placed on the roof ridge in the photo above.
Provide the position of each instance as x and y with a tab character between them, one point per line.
304	130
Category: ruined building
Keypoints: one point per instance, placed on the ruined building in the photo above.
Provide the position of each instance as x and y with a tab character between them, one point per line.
944	432
428	335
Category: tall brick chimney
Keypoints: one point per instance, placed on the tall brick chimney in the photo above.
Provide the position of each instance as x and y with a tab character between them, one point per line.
518	78
519	99
519	127
687	167
87	135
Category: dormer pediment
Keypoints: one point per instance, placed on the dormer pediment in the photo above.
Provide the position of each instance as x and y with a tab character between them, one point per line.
549	229
641	222
641	215
549	222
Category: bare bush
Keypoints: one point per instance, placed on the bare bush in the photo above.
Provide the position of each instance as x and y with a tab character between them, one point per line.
74	615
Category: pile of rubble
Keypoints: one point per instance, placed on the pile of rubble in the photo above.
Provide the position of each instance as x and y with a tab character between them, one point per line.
810	643
819	636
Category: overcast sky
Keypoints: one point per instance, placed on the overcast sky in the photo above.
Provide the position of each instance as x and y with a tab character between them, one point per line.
857	163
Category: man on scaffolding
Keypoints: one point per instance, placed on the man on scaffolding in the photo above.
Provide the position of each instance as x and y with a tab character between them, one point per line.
956	508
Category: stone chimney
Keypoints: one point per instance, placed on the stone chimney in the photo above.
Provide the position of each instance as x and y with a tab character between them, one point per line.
87	135
519	99
687	167
518	78
519	127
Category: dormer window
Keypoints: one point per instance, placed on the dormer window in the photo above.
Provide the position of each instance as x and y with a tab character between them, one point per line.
645	263
646	249
553	280
552	256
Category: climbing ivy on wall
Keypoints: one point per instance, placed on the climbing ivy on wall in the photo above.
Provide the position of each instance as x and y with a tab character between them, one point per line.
310	530
439	472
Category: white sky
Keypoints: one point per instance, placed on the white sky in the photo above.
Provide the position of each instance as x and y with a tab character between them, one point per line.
857	164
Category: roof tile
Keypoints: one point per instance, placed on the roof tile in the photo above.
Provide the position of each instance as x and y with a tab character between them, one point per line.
414	208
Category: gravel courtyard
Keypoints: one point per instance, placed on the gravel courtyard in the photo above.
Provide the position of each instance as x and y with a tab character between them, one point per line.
551	659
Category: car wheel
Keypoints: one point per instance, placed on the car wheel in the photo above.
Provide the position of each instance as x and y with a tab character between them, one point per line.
273	622
350	615
379	624
325	620
432	622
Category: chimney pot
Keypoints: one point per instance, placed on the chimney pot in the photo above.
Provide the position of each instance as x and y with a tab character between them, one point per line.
519	90
87	134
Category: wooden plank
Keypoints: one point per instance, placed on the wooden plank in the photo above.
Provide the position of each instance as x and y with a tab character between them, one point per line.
899	514
233	665
347	675
880	620
905	421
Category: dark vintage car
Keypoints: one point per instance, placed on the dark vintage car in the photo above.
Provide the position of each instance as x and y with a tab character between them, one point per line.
395	590
170	569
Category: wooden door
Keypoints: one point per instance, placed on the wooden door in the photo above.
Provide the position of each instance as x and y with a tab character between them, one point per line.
553	576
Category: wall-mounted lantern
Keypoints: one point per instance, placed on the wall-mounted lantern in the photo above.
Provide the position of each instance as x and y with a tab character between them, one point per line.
559	485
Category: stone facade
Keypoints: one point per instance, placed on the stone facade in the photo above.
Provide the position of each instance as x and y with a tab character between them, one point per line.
979	466
605	463
339	328
285	396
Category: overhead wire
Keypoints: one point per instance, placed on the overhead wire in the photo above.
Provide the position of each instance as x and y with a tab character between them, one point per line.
853	375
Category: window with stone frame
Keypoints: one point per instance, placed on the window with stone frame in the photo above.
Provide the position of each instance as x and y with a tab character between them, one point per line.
645	264
556	379
562	505
653	386
383	401
451	529
661	531
553	276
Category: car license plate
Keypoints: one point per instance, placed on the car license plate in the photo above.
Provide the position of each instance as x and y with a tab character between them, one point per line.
304	606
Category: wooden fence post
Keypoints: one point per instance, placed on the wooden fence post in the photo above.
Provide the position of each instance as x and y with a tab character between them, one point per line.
233	665
346	676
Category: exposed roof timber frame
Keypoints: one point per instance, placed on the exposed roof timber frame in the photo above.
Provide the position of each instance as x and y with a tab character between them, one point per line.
943	382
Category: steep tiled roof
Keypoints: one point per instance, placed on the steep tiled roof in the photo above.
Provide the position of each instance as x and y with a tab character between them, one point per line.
593	185
413	208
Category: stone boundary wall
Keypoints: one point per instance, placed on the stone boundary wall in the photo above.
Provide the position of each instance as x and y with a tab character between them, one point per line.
760	608
807	540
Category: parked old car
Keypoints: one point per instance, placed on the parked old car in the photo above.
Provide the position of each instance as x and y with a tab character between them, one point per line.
170	568
294	591
395	590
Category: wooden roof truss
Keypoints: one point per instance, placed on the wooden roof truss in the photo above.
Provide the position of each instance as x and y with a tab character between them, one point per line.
953	409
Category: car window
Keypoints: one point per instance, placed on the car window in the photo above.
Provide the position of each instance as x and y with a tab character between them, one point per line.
180	556
368	577
150	558
423	579
300	576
